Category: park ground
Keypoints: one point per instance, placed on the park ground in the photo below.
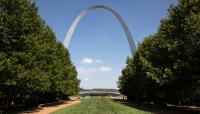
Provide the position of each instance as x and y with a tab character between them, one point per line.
46	109
101	105
113	106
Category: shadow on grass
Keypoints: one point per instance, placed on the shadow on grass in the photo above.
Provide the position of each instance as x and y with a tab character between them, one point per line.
156	109
18	109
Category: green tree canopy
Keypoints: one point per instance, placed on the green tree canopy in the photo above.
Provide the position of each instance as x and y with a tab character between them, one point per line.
34	65
166	66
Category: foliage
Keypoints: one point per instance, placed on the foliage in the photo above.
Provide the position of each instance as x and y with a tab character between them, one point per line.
33	65
166	66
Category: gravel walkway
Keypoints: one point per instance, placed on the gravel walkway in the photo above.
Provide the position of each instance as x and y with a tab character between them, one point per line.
49	109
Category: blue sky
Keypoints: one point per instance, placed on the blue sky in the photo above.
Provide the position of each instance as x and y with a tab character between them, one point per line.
99	47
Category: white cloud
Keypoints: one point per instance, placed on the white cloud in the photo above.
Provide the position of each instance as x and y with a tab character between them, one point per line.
90	61
105	69
86	71
98	61
87	61
89	71
86	79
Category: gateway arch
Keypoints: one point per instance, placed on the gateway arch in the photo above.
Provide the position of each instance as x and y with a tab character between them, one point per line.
78	18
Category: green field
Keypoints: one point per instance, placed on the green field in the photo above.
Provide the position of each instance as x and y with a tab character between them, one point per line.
100	106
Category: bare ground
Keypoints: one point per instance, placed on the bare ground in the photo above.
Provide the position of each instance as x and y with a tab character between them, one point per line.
52	108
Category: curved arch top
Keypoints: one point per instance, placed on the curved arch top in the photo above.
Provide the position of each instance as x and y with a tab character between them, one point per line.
78	18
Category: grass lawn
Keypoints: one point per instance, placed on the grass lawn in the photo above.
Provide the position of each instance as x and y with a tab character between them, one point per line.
99	106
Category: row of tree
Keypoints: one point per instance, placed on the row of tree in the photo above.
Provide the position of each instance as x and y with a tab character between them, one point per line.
166	66
34	66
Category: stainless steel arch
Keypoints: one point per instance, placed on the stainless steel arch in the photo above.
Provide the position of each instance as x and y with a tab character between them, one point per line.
78	18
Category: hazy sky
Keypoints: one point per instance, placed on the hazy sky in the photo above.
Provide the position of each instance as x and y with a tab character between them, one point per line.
99	47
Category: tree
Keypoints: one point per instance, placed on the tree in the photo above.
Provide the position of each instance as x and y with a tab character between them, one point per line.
33	63
169	58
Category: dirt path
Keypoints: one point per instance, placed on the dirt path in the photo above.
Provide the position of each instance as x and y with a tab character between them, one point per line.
49	109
